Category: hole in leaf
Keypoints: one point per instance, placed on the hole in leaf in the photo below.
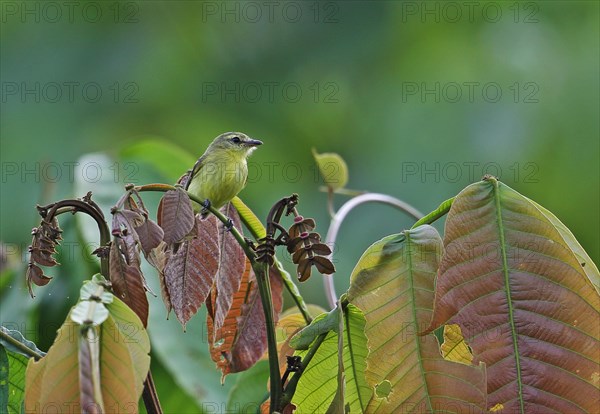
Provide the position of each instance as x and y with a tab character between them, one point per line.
383	389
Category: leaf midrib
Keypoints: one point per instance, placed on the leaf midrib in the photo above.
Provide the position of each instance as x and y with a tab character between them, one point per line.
511	319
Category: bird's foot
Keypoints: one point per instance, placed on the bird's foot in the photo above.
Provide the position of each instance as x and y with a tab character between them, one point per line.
205	206
228	225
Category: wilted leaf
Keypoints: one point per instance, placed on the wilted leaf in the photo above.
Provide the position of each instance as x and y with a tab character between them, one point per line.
393	285
333	169
190	272
232	262
175	215
127	281
510	279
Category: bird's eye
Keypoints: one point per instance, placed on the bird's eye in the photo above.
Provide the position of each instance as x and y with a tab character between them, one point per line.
236	140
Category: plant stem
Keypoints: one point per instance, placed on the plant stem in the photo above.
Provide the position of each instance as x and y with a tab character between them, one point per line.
341	214
264	287
65	206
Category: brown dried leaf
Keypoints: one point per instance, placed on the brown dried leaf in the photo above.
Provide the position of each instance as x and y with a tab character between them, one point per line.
127	280
43	256
189	273
232	262
36	275
175	215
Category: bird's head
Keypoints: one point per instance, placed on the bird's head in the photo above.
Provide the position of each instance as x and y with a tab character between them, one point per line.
236	142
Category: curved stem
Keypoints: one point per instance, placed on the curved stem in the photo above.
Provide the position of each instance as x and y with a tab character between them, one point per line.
341	214
65	206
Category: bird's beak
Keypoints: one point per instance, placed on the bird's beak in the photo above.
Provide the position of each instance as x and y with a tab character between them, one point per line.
253	143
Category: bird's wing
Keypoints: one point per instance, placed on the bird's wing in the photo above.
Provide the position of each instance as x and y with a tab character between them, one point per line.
194	170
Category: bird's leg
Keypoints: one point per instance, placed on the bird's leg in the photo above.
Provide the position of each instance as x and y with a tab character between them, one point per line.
250	243
205	207
229	225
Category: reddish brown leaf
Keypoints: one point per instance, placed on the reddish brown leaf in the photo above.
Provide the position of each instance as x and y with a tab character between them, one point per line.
230	268
189	273
175	215
150	235
220	347
525	305
242	340
126	278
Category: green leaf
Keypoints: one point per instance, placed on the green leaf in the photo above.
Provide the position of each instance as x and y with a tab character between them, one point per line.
89	312
511	279
318	383
393	285
318	387
12	381
358	392
333	169
4	372
250	389
167	158
321	324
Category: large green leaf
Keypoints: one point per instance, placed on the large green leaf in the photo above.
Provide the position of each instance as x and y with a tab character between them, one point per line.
393	285
319	384
512	281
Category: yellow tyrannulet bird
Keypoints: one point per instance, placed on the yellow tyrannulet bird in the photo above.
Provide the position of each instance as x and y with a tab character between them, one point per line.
222	171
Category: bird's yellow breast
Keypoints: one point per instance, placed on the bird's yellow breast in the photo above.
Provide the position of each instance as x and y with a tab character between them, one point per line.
220	178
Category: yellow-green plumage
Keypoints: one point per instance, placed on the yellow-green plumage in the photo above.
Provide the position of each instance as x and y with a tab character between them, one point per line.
222	171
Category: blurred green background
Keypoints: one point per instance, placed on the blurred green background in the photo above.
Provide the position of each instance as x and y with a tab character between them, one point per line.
420	98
